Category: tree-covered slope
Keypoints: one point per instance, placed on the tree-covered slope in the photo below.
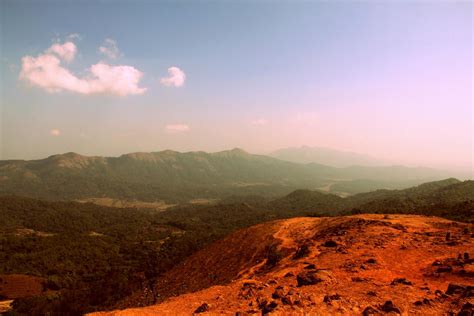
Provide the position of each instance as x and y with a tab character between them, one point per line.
178	177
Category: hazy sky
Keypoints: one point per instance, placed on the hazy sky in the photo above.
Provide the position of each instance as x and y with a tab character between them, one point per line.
393	80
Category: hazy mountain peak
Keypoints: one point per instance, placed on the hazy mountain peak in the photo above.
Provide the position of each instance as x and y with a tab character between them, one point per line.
68	155
233	152
325	156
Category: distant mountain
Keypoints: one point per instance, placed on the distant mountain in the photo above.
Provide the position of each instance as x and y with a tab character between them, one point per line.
326	156
179	177
449	198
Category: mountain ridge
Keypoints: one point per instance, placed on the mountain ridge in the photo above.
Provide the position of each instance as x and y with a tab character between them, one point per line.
174	176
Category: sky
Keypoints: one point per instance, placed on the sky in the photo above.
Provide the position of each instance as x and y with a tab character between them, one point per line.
390	79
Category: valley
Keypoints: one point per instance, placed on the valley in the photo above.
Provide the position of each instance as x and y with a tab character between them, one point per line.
93	257
162	158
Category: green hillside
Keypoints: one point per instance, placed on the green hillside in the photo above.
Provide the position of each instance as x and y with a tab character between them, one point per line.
180	177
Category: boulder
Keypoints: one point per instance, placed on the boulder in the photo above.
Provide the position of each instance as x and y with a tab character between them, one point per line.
401	281
308	278
204	307
330	243
388	307
369	311
466	310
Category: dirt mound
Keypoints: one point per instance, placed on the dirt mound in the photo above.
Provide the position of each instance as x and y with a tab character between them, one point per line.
356	265
19	285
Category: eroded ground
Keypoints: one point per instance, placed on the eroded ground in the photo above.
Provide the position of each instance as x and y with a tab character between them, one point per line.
357	265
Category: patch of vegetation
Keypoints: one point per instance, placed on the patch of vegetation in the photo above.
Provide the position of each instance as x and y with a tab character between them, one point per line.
93	256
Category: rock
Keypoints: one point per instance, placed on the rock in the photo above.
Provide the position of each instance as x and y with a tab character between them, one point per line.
448	236
359	279
249	284
287	300
302	252
267	308
464	290
289	274
443	269
330	243
440	294
371	261
388	307
330	298
371	293
278	293
401	281
204	307
308	278
466	310
310	266
369	310
299	303
466	256
425	301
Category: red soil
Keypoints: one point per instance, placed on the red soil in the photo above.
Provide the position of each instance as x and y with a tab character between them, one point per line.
370	259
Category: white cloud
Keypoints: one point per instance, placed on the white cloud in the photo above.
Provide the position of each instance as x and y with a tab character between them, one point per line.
177	128
66	51
110	49
259	122
73	37
46	71
55	132
176	78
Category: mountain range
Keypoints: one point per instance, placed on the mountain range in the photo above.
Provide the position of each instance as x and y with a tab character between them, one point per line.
179	177
326	156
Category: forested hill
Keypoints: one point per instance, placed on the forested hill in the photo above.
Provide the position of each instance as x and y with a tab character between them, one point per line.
91	256
178	177
448	198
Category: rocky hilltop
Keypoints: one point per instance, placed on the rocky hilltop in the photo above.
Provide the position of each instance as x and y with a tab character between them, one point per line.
353	265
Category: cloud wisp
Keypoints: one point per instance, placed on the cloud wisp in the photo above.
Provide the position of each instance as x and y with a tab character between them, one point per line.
47	72
176	78
177	128
110	49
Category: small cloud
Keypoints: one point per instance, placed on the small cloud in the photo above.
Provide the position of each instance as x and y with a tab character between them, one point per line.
66	51
55	132
110	49
177	128
259	122
176	78
46	71
74	37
